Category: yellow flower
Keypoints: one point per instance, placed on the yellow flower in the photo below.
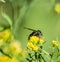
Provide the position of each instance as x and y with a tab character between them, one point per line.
1	42
33	43
32	46
54	43
4	59
15	47
57	8
41	40
13	60
35	48
34	39
7	59
5	34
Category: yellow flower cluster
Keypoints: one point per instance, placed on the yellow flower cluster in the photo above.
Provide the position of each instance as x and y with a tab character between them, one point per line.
7	59
36	39
57	8
15	47
33	42
4	36
32	46
41	40
54	43
10	46
7	33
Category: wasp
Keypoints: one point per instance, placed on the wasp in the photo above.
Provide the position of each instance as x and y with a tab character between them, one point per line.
37	33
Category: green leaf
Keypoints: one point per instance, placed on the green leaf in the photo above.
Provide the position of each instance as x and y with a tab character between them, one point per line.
8	19
1	28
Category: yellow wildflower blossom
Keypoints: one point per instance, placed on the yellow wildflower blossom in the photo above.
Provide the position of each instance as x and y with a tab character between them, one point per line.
7	59
41	40
13	60
57	8
1	42
15	47
34	39
34	42
35	48
5	34
54	43
32	46
4	59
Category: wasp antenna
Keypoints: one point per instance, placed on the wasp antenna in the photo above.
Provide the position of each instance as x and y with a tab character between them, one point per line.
29	29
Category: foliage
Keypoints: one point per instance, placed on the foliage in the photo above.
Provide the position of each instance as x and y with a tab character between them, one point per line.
36	52
37	14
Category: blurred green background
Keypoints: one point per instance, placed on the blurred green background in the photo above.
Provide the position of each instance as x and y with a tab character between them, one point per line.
35	14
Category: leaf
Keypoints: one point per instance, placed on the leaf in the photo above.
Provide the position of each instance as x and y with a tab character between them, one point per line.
2	1
1	28
8	19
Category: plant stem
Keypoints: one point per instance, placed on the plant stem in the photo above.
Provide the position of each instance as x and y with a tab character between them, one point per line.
4	53
43	58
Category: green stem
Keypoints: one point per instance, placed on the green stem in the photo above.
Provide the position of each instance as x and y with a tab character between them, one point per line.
43	58
4	53
36	56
